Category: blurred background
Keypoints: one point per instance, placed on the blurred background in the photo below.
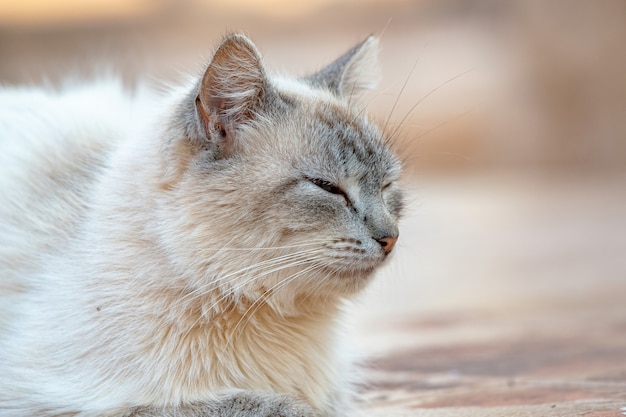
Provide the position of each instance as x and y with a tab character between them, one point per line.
510	116
524	85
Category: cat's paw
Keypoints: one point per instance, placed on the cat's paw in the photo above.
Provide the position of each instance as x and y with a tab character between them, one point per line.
623	410
239	404
253	404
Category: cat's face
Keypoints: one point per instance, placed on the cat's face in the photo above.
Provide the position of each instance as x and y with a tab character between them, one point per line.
297	191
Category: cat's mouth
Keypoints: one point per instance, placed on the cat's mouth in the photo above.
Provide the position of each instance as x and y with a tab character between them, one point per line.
361	262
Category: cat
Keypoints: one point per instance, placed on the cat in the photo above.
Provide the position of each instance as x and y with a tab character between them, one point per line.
190	254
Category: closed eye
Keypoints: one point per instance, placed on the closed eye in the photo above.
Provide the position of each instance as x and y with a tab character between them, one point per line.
329	187
326	186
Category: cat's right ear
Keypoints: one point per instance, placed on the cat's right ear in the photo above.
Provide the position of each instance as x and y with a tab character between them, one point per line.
232	89
352	73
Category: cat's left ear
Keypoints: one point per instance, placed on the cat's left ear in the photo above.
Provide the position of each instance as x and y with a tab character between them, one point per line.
232	90
352	73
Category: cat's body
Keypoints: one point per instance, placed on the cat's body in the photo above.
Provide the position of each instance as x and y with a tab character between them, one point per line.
188	255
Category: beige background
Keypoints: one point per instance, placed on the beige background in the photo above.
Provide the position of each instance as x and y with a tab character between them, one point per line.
523	84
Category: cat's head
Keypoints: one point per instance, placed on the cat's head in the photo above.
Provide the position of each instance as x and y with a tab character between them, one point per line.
280	185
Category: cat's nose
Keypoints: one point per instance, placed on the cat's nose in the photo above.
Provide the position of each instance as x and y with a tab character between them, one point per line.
387	243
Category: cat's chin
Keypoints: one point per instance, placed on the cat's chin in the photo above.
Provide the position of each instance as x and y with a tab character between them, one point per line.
351	281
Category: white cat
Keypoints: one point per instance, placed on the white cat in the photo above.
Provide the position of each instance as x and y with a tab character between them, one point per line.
189	255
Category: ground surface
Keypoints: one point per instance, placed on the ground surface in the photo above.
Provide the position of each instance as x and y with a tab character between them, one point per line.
506	298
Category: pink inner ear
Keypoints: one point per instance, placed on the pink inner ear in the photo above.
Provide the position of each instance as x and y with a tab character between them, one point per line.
231	92
233	81
204	117
216	130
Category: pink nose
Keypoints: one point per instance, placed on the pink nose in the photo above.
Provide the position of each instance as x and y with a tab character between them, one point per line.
387	243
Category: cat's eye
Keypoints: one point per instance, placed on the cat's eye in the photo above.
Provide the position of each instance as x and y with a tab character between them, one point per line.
327	186
386	185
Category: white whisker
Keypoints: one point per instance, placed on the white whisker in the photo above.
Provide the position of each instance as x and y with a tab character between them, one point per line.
424	97
274	265
223	279
257	304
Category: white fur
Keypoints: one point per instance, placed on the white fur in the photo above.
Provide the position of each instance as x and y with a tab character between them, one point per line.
64	325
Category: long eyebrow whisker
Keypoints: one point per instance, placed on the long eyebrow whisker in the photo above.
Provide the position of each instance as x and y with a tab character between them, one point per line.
424	97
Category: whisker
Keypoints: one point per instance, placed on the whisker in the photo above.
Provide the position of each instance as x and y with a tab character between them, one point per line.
428	94
283	283
319	282
250	267
403	88
258	303
276	264
384	31
186	287
263	248
408	150
265	263
262	297
233	290
395	103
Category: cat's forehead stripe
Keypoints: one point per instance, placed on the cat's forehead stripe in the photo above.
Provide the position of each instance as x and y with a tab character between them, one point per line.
351	138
